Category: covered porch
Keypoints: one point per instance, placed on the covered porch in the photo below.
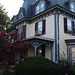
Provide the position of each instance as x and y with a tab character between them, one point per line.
40	46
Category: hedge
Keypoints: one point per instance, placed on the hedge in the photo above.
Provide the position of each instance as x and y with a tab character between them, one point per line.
37	66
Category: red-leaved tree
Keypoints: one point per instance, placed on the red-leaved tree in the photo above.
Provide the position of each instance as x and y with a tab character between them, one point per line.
10	51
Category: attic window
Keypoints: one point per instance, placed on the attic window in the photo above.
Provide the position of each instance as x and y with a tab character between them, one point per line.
72	6
40	7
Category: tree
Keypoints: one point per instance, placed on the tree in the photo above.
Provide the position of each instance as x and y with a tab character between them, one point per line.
9	50
4	19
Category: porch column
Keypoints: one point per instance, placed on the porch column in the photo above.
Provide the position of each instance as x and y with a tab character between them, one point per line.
35	52
51	53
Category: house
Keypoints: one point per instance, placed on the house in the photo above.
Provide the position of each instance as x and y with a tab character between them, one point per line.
49	27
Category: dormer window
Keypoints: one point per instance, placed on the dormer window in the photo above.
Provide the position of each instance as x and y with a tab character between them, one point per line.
40	7
72	6
21	16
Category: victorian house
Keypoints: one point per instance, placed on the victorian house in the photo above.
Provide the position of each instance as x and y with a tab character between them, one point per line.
48	26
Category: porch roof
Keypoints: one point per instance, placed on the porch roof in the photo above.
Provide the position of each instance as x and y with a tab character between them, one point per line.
70	40
40	38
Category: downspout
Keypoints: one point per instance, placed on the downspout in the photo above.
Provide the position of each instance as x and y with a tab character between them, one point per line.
57	42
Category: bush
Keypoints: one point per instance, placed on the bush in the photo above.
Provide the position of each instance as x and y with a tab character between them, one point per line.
37	66
72	70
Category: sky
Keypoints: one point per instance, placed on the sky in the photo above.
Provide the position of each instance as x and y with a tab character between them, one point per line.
12	6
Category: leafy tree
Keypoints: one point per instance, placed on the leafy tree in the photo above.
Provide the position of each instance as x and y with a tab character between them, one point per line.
4	19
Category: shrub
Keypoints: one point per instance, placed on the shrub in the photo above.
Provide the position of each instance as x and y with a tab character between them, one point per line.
72	70
37	66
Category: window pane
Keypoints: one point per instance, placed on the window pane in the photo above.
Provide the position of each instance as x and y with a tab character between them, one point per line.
41	9
72	5
42	5
69	25
37	8
40	25
37	11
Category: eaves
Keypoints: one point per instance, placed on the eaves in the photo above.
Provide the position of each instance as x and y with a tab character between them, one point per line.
44	12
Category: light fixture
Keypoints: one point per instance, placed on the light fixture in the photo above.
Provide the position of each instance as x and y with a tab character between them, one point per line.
39	50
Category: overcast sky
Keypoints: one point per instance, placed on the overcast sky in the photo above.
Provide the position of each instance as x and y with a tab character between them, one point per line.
11	6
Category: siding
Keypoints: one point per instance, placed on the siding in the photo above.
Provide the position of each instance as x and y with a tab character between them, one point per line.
47	53
63	36
49	27
73	53
30	51
30	31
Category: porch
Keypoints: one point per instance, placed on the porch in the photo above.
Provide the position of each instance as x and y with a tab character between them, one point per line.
40	46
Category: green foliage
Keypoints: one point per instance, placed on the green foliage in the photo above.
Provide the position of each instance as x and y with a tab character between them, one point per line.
4	19
66	66
37	66
72	70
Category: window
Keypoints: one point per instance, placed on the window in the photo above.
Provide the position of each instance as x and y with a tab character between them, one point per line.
69	26
72	6
20	30
40	28
40	7
21	15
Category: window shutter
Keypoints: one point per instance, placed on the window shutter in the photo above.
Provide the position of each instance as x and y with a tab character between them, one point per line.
65	25
36	27
73	27
24	32
44	27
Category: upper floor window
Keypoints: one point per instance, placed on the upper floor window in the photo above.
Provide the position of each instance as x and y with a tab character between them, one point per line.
40	27
69	26
21	32
72	6
40	7
21	15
